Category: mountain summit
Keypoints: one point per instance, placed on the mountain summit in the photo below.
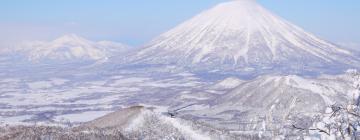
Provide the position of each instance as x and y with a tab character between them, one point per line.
241	35
70	48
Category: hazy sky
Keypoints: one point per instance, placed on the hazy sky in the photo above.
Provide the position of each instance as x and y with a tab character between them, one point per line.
135	22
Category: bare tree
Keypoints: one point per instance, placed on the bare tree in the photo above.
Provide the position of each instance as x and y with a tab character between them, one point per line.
340	121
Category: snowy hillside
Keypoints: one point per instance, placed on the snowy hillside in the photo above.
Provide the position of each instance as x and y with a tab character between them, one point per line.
69	48
121	119
150	123
272	103
135	122
228	83
243	36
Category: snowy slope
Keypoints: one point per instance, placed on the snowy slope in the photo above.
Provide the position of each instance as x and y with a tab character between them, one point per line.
120	119
241	35
69	48
150	123
228	83
275	101
266	90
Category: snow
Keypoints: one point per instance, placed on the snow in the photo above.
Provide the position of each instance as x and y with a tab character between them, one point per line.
137	121
189	96
186	129
70	48
304	84
58	81
40	85
15	119
126	81
82	117
311	85
239	35
227	83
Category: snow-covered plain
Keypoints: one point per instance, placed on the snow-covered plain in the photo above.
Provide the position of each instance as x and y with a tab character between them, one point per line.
61	95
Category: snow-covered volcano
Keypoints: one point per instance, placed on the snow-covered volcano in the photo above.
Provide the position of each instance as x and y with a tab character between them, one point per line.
241	35
69	48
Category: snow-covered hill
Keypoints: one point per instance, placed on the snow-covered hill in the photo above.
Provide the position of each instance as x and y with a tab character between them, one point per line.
265	90
241	35
228	83
149	124
120	119
69	48
269	103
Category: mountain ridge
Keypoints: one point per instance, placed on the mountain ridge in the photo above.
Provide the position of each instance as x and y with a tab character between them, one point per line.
69	47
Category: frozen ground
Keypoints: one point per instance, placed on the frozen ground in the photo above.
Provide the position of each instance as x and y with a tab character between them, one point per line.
241	106
52	97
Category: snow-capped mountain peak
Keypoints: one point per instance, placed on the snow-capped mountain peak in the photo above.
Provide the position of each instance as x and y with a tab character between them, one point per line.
242	34
71	38
70	48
